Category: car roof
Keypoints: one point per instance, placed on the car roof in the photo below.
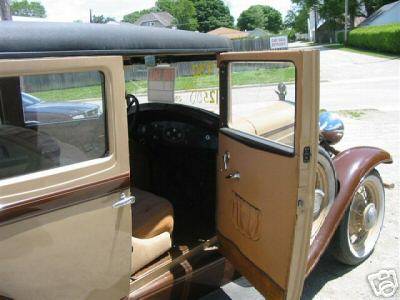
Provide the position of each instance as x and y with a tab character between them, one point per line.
45	39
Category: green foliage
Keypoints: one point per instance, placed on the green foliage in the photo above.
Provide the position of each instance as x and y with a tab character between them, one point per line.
101	19
385	38
184	13
212	14
372	5
165	5
251	18
340	37
134	16
296	19
260	16
28	9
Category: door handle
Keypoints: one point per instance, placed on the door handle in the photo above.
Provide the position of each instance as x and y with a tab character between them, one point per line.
124	200
235	175
226	158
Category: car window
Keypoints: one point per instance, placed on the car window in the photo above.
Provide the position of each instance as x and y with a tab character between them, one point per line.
51	120
262	100
194	83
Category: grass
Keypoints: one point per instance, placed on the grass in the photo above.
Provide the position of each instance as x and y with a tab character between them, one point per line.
362	51
262	76
354	114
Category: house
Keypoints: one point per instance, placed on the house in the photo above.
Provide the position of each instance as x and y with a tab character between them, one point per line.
156	19
387	14
229	33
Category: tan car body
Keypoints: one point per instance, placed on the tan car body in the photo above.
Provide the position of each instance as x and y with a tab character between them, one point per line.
60	236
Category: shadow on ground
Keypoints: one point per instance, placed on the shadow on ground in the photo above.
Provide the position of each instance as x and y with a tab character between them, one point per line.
326	270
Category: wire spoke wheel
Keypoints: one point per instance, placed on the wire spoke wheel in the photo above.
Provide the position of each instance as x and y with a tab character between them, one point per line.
359	231
365	217
325	187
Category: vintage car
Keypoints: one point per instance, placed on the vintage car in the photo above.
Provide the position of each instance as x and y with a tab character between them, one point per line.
183	180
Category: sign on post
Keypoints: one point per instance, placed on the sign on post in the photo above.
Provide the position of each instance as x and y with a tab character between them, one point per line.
161	84
278	42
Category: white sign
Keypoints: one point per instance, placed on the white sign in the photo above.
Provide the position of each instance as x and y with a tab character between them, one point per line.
278	42
161	84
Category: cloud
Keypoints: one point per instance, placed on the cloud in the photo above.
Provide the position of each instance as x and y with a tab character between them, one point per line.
71	10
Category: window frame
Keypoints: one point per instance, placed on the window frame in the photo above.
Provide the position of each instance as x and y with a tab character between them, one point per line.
248	139
43	182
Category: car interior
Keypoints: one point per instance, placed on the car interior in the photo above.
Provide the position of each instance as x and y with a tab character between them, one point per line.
173	150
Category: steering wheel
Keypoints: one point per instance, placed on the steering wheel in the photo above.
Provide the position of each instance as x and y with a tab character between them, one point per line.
131	101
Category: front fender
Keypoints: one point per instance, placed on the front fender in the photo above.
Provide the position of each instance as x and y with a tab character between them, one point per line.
351	166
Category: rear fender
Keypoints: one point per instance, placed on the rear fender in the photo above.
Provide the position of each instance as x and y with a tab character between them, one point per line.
351	166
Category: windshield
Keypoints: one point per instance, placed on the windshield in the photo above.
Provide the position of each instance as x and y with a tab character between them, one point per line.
190	83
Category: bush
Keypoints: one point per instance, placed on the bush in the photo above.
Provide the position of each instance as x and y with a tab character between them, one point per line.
340	37
384	38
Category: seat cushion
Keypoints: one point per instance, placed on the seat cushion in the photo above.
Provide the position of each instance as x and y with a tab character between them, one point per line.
151	215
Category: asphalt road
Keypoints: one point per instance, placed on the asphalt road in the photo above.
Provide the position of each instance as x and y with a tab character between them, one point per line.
366	91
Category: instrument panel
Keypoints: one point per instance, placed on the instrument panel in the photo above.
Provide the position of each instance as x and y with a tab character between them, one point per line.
175	133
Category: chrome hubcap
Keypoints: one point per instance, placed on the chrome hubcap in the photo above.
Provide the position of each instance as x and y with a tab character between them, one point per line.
370	216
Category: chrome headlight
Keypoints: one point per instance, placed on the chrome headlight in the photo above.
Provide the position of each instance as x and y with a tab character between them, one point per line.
331	128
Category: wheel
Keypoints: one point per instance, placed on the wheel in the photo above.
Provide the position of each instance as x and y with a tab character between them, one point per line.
356	237
325	190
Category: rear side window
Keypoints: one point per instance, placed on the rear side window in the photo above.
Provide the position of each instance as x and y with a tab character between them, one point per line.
51	120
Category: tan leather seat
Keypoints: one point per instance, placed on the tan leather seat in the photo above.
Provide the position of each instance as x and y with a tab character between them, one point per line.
151	215
152	225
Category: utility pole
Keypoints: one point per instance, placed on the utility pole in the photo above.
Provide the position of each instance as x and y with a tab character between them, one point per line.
90	16
5	10
346	14
315	23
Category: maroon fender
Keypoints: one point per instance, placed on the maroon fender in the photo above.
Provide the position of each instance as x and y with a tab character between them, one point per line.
351	166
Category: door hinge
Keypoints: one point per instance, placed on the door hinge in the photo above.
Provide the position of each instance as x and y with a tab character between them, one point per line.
306	154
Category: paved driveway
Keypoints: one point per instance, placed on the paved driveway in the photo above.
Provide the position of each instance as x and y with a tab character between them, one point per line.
370	87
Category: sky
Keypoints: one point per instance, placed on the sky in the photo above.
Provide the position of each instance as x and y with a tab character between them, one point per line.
71	10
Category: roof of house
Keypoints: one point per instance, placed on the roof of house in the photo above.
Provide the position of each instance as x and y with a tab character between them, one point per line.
163	17
229	33
258	32
389	13
30	39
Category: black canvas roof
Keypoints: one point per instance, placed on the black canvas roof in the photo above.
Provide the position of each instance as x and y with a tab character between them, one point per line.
44	39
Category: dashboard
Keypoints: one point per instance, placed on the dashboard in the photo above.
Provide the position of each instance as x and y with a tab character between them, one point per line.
173	133
176	126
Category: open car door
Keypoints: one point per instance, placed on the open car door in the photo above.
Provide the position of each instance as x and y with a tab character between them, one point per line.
266	166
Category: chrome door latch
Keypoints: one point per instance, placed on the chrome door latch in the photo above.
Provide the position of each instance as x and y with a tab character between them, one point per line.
124	200
226	157
235	175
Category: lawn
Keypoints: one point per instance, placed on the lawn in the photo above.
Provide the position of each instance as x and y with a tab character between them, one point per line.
362	51
262	76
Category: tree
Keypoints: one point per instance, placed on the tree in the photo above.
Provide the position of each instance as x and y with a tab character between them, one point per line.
273	19
134	16
373	5
251	18
184	13
260	16
5	12
211	14
28	9
296	19
165	5
101	19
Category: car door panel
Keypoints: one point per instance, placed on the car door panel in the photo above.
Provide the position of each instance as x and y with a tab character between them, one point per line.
60	236
265	189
